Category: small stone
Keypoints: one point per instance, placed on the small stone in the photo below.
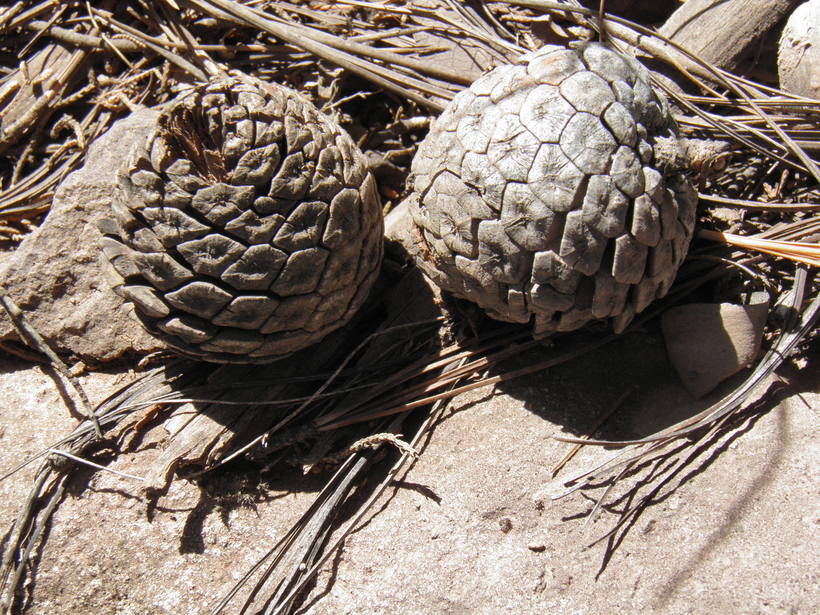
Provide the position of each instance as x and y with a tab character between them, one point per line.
708	342
798	54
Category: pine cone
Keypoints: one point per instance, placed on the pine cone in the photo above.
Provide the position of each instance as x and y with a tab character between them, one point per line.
247	225
554	190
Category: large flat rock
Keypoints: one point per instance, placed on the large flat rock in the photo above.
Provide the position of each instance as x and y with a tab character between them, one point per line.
455	535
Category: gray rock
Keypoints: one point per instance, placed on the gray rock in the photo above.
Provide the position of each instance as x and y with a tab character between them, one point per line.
454	535
708	342
798	54
56	274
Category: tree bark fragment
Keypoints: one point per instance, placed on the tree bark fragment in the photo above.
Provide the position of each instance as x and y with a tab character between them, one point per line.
724	31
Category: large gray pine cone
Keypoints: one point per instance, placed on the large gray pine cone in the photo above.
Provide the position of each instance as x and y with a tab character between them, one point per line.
246	227
553	191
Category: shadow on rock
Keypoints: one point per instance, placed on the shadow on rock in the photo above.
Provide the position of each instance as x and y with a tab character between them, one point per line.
245	431
575	394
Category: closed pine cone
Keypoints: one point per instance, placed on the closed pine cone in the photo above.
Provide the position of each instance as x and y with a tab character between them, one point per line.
554	191
246	227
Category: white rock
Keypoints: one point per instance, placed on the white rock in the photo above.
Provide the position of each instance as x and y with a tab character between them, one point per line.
798	55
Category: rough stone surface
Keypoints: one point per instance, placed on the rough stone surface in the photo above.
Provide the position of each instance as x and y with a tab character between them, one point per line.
56	273
721	544
552	159
471	528
167	565
798	54
708	342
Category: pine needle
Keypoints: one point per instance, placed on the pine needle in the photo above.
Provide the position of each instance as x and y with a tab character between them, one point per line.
807	253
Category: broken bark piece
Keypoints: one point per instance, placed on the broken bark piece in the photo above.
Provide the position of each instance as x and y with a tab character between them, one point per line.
35	86
708	342
456	53
723	31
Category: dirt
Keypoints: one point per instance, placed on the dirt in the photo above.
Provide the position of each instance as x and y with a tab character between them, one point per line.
472	527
